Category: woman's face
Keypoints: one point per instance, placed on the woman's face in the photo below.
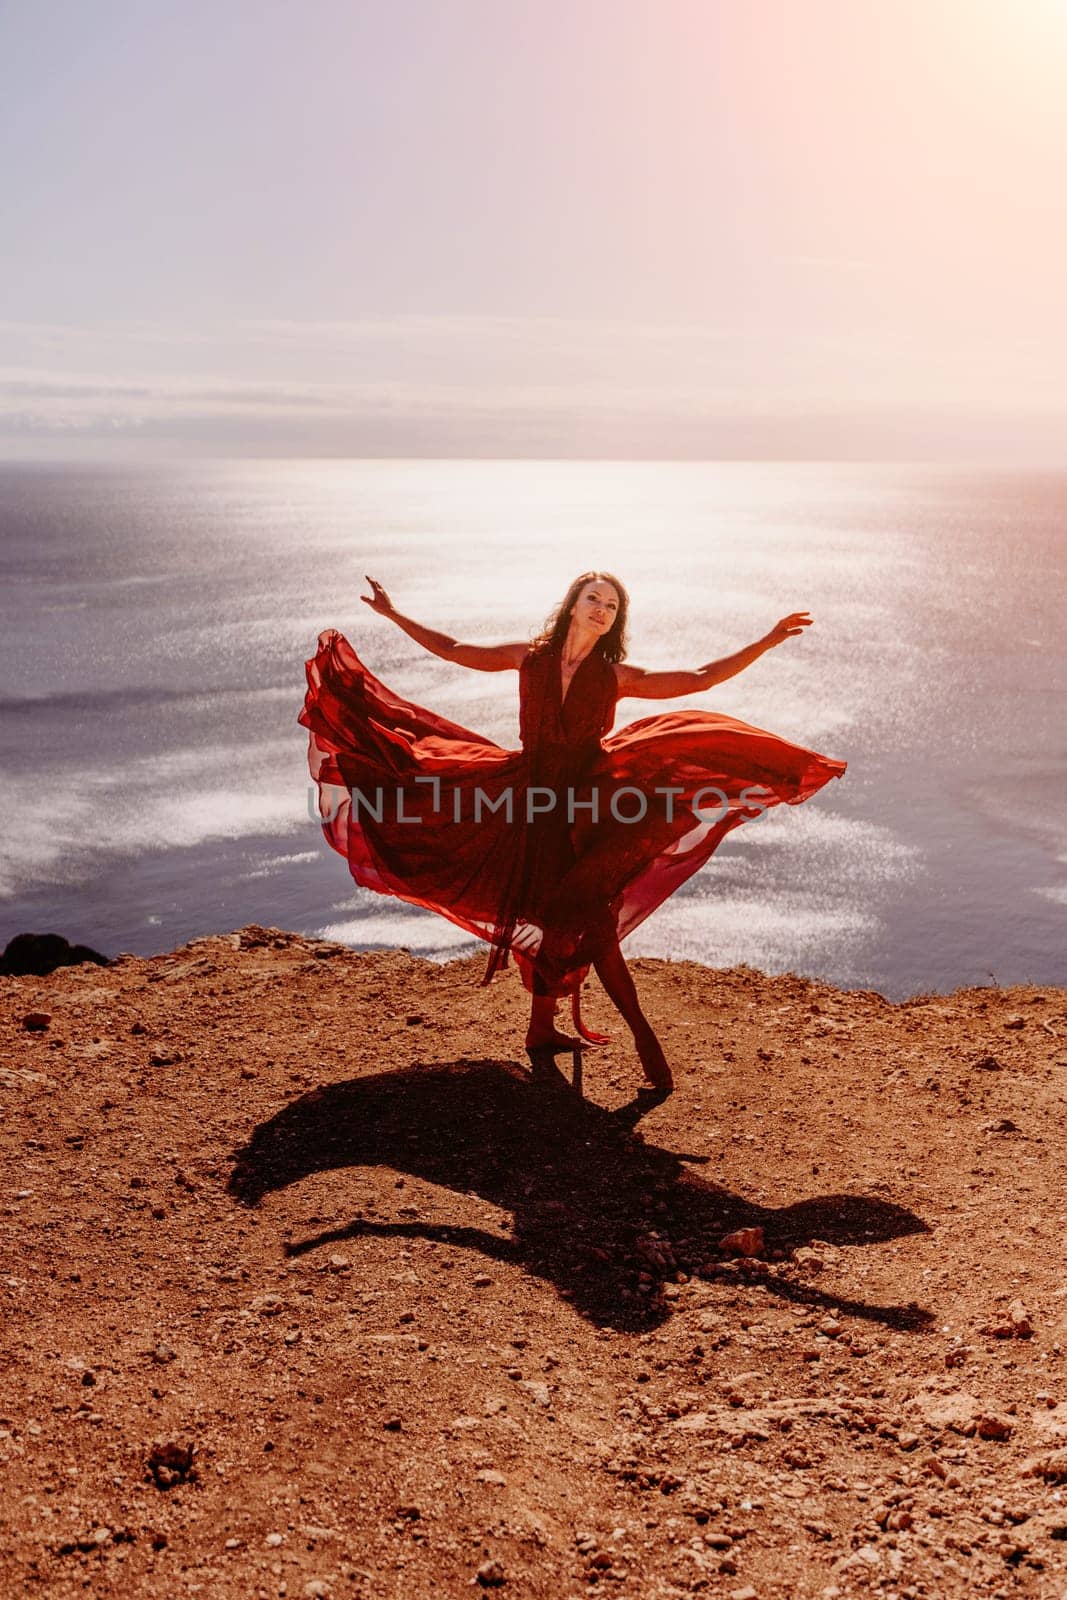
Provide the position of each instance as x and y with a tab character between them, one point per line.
597	606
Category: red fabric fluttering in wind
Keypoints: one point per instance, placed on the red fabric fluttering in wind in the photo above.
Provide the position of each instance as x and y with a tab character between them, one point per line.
506	843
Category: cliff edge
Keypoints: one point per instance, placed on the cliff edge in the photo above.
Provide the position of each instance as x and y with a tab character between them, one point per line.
310	1290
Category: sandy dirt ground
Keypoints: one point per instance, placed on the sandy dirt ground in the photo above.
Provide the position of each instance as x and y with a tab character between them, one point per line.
310	1290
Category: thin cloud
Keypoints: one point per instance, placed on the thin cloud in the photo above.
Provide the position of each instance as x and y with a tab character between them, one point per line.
477	327
496	386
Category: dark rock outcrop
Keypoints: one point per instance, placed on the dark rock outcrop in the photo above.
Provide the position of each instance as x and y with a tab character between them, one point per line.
35	955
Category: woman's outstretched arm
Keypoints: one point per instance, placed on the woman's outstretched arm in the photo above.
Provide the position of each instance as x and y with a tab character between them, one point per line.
482	657
666	685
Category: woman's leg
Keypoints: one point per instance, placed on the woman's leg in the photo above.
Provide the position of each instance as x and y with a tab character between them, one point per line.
615	975
551	861
542	1029
580	928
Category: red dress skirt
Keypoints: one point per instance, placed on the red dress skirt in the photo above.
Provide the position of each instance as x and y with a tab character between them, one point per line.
552	851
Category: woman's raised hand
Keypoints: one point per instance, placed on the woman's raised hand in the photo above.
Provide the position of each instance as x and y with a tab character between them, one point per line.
378	600
789	626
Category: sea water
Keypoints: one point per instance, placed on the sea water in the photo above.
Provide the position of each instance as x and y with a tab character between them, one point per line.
155	621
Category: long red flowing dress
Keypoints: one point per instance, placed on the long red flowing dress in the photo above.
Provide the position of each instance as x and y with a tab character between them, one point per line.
551	851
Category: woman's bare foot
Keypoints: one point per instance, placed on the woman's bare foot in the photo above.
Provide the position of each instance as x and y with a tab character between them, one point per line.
561	1041
587	1033
650	1052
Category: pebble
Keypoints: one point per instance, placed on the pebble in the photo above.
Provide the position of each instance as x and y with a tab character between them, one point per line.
95	1539
957	1411
1019	1317
743	1242
491	1575
1051	1464
992	1426
170	1463
274	1540
1014	1323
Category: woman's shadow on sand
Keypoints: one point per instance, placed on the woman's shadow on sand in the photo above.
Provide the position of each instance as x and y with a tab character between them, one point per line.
594	1206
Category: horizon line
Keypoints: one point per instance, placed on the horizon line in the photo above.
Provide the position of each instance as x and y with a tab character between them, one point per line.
553	460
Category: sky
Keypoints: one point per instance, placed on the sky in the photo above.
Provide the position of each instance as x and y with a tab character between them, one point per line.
690	228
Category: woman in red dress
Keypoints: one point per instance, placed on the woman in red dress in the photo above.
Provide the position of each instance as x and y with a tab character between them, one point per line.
554	852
